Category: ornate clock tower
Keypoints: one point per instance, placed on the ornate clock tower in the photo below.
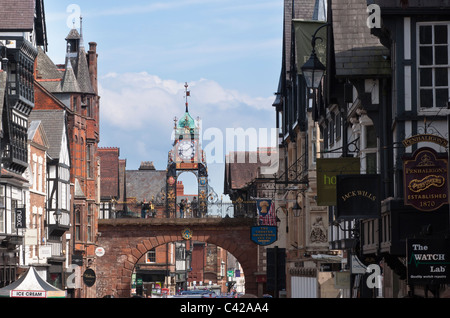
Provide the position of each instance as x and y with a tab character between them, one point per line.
186	156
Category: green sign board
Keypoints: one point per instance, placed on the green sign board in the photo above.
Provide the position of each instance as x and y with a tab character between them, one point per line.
327	169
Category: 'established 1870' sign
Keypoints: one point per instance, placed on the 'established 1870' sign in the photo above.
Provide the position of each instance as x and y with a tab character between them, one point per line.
425	180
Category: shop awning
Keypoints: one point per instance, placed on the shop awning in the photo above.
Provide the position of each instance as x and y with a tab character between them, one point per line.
31	285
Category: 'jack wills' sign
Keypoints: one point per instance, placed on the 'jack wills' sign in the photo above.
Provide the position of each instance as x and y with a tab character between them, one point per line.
358	196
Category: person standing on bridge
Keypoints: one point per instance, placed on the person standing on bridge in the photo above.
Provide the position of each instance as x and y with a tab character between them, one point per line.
194	207
182	207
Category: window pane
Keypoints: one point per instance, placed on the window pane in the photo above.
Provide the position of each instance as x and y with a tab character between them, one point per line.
426	98
371	162
440	34
441	55
441	97
425	34
426	55
441	77
426	77
371	137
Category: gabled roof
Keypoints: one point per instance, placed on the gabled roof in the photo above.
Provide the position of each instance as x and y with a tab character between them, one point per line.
53	122
36	129
243	167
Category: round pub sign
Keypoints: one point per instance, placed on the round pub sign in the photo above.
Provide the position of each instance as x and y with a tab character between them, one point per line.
425	180
89	277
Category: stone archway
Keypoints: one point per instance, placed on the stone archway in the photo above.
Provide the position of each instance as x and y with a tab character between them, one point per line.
126	240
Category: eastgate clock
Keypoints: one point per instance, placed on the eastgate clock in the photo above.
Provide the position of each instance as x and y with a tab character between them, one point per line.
186	150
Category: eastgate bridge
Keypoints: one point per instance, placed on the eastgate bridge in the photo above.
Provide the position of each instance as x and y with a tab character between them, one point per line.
126	240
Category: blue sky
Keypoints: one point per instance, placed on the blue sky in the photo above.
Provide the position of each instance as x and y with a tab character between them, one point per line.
228	51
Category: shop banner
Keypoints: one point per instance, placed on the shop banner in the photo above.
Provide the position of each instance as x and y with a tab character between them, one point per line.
304	30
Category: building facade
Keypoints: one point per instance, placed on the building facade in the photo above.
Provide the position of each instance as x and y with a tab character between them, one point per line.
382	106
74	85
22	30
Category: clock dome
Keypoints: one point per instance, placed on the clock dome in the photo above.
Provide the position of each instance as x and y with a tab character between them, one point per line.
186	121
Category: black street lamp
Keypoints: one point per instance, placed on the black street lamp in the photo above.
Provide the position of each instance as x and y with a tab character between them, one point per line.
297	209
57	215
313	69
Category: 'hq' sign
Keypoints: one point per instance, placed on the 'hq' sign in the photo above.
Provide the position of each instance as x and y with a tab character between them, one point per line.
425	180
327	171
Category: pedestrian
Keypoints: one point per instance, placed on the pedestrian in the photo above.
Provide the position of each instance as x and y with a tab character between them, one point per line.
194	207
182	207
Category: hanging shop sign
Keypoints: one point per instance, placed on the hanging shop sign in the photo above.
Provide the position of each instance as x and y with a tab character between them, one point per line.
358	196
428	261
89	277
425	138
264	235
425	180
327	170
20	218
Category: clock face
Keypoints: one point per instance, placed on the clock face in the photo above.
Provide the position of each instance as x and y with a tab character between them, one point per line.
186	150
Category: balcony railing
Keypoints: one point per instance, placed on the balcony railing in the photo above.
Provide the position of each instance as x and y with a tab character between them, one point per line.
297	173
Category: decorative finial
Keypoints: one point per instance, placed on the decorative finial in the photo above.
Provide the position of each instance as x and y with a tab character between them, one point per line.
187	94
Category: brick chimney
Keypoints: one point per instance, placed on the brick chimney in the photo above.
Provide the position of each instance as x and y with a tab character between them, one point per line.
180	188
92	61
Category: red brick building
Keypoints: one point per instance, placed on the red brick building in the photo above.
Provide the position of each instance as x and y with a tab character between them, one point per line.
74	85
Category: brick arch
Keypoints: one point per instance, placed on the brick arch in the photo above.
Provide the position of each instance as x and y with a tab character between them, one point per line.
126	240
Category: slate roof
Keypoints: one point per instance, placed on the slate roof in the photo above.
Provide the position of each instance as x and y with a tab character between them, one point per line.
53	122
17	15
46	68
75	78
144	184
357	51
69	83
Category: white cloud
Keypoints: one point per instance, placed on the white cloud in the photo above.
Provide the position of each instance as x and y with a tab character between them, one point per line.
134	101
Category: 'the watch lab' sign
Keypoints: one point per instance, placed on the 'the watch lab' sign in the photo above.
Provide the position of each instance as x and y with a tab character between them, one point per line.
428	261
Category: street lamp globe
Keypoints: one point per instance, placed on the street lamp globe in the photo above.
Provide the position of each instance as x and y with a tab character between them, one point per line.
296	209
57	215
313	71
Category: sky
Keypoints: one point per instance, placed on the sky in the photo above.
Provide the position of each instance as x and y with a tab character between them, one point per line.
228	52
